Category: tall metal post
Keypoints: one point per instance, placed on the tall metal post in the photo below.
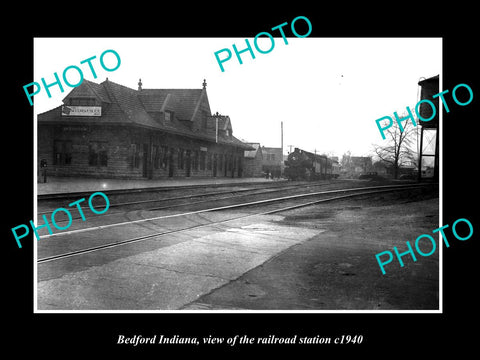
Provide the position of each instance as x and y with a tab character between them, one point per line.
419	175
281	135
281	143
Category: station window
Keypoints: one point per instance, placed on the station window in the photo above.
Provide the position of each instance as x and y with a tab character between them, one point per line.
164	161
62	152
181	158
195	160
156	156
168	117
202	160
209	161
135	150
98	153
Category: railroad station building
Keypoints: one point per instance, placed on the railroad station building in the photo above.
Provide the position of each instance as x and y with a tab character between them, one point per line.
273	161
253	160
113	131
263	160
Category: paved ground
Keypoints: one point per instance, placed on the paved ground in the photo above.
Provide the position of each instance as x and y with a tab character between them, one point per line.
336	269
168	276
72	184
316	258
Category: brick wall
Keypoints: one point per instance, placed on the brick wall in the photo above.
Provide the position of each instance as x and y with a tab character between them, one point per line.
253	167
129	153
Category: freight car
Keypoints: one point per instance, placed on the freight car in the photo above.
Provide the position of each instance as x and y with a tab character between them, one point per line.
304	165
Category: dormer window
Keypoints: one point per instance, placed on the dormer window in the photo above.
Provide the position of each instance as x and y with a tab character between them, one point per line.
168	117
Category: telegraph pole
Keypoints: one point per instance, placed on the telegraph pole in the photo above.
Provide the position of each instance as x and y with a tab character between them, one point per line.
282	163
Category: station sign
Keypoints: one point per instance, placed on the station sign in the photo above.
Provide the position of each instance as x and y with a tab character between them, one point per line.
81	110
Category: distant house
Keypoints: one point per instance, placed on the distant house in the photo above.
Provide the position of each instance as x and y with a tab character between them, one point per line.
335	165
361	164
353	166
386	169
253	161
381	168
273	160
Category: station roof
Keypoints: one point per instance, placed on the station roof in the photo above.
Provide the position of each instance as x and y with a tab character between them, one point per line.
121	105
253	153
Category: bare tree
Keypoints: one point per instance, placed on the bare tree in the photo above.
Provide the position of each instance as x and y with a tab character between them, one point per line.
396	150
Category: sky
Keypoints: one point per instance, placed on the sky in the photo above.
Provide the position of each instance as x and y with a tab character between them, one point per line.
328	92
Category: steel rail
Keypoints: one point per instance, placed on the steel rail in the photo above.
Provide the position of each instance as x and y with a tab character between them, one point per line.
76	194
377	190
240	192
226	207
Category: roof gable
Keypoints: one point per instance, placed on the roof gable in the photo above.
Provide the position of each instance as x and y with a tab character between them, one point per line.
272	150
256	150
127	106
184	102
127	100
88	89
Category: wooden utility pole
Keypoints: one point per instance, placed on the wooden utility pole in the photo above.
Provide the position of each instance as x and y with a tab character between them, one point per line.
281	143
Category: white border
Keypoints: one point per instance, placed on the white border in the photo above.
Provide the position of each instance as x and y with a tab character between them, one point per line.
438	311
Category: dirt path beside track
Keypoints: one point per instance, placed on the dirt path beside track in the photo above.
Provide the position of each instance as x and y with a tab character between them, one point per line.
337	269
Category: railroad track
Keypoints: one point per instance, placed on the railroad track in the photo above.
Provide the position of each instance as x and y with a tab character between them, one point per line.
147	190
236	192
198	198
267	206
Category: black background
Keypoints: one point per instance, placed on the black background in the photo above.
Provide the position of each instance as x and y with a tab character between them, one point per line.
384	335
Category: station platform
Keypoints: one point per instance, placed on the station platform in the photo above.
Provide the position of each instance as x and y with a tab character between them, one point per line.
61	185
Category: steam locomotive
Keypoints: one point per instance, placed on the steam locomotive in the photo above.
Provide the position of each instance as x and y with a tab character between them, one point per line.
304	165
